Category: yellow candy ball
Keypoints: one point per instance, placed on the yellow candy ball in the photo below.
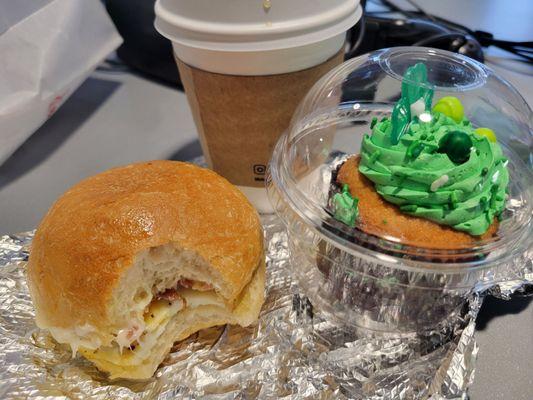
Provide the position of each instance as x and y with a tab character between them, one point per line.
488	133
451	107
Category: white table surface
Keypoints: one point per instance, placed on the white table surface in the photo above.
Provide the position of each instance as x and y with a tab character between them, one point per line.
118	118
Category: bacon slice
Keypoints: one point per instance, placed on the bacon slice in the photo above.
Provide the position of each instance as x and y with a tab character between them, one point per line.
169	295
195	285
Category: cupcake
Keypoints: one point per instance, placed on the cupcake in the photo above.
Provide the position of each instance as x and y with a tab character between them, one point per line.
427	179
397	198
425	176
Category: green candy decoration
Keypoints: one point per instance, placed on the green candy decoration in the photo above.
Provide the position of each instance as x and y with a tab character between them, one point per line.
414	88
345	207
400	119
414	85
451	107
488	133
456	145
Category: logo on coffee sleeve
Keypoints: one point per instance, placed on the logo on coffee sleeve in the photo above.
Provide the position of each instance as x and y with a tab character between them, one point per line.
259	172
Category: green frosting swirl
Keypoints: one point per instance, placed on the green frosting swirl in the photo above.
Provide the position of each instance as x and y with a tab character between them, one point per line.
424	182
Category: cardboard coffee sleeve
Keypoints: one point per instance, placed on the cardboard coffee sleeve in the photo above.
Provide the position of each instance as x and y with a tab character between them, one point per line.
240	118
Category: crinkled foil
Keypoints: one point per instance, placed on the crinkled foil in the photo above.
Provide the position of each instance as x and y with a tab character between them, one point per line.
290	353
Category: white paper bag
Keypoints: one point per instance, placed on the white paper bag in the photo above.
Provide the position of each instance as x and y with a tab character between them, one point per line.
47	49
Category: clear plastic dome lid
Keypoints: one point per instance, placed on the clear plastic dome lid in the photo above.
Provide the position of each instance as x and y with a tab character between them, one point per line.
411	150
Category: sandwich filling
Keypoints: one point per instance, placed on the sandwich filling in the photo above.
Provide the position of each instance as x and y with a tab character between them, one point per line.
187	293
134	343
168	302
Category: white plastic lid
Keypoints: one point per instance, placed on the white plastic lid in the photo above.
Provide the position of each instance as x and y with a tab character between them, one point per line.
244	25
203	30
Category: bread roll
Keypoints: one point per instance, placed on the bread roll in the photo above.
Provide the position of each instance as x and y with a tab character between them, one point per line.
129	261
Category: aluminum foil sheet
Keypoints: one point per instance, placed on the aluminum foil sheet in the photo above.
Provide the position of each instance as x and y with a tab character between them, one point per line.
291	353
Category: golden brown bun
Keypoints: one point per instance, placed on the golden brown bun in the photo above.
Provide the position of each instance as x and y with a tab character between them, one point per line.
90	238
380	218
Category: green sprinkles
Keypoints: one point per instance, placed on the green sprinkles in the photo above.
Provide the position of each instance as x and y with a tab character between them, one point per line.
484	171
398	173
453	199
375	155
494	197
483	202
373	123
409	207
414	149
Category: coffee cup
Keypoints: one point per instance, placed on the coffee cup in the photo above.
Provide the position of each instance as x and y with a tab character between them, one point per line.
245	66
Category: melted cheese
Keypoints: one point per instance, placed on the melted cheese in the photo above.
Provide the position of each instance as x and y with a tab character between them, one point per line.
195	298
160	311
